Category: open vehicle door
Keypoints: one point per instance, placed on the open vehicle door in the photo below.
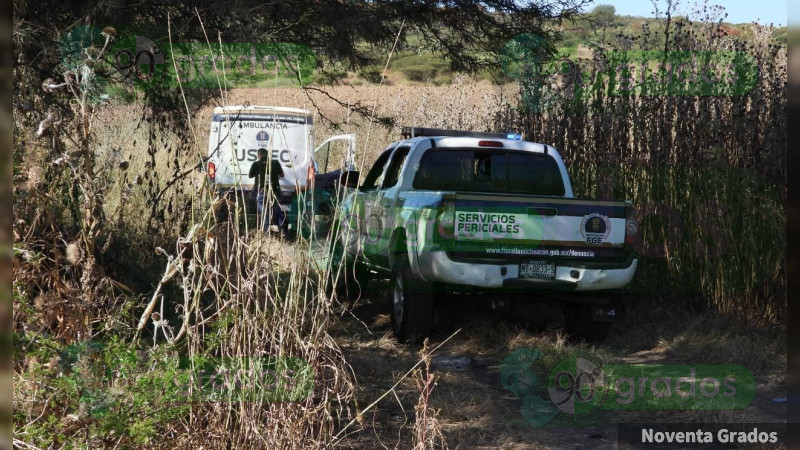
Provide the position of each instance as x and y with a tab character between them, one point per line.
332	161
336	153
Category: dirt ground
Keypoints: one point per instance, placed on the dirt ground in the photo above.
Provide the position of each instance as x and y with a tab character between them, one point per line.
473	408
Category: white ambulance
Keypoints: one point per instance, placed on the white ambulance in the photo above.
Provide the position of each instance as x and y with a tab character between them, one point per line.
237	132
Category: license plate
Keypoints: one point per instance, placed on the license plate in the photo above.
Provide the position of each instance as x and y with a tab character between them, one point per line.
537	269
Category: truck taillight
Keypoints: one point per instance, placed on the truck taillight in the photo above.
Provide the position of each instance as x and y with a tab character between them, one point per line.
212	171
631	227
312	174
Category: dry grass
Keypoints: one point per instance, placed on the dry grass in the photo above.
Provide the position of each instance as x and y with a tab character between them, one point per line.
464	106
475	411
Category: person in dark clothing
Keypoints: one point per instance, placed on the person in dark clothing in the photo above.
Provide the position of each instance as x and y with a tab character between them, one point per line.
260	170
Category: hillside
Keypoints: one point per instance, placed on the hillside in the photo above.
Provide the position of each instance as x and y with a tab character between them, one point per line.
417	64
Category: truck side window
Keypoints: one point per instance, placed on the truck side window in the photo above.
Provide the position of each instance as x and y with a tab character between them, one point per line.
374	176
398	161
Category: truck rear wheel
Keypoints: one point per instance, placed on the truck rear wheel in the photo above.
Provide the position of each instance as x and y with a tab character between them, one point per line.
412	308
579	323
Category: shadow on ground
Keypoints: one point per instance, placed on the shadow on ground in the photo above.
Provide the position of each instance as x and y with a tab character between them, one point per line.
476	411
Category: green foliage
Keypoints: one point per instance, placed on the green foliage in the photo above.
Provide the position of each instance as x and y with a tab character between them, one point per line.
605	11
242	65
371	74
421	67
330	77
604	15
420	63
110	389
780	35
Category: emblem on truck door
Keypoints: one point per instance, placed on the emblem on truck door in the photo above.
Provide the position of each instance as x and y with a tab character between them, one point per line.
595	228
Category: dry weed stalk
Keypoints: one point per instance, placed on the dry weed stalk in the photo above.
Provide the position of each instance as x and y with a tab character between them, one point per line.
241	300
60	265
427	429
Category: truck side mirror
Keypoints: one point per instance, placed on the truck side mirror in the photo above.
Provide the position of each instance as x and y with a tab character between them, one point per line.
349	179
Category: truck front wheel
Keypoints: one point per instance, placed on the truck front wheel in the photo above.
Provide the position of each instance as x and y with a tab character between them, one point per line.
412	308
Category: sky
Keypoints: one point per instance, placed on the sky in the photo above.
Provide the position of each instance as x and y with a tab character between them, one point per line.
739	11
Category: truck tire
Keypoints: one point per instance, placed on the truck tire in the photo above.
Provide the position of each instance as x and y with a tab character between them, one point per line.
412	308
579	323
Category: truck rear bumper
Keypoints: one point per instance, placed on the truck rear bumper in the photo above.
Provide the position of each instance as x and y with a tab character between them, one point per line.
436	266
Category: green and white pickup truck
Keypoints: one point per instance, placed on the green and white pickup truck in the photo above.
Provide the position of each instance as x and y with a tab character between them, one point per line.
447	211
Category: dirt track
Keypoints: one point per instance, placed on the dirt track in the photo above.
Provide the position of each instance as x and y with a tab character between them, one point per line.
476	411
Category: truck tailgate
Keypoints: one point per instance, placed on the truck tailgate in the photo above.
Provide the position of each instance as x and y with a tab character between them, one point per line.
498	225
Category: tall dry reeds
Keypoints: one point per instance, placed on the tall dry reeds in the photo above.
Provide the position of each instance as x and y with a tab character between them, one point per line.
706	173
232	306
